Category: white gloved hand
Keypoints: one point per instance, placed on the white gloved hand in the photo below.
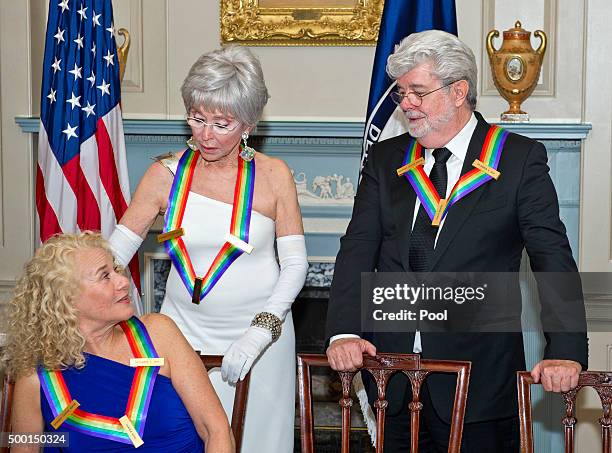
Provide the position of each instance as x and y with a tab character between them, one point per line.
239	357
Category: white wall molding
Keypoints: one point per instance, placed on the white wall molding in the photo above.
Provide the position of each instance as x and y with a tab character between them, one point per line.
596	188
128	15
549	25
559	94
6	291
145	83
598	312
17	221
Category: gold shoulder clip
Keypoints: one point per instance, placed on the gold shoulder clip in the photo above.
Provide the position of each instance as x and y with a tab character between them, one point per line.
63	415
406	168
486	169
163	237
439	211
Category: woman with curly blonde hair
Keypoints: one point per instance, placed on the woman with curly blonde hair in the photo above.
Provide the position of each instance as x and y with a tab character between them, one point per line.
71	343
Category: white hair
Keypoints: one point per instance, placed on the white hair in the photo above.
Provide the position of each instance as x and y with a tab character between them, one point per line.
451	58
228	80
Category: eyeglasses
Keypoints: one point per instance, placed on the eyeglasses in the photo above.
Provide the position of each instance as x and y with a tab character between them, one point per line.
219	129
414	98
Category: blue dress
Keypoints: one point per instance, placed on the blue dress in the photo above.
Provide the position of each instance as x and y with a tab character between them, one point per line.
102	387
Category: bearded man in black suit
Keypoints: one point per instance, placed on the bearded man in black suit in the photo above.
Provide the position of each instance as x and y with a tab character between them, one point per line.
485	231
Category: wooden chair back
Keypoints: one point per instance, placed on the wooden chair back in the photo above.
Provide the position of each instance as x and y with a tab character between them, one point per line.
600	381
382	367
240	398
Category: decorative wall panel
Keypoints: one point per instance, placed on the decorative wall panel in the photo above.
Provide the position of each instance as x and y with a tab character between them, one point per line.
543	16
128	15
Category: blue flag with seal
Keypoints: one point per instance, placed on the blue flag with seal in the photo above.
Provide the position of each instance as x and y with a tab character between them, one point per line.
400	18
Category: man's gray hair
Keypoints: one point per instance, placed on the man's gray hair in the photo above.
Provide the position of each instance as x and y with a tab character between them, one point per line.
452	60
228	80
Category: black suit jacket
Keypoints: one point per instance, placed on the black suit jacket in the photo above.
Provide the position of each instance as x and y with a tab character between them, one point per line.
484	232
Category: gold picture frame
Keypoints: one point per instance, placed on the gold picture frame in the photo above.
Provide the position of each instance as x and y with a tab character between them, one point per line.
301	22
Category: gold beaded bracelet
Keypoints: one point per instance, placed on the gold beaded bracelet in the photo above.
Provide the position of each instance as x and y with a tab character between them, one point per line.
268	321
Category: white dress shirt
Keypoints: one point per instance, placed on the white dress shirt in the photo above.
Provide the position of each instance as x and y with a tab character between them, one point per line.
458	147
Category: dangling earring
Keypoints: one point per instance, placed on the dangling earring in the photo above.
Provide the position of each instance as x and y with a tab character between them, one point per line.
247	153
192	144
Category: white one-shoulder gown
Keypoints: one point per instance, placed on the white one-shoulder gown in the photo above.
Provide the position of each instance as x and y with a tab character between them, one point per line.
226	313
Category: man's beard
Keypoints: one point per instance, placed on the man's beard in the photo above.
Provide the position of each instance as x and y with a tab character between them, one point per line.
427	124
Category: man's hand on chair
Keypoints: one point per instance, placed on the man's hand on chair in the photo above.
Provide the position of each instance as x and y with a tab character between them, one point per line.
346	354
557	375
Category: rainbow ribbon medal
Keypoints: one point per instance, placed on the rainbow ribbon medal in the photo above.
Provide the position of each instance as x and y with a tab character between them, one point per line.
485	170
59	398
237	239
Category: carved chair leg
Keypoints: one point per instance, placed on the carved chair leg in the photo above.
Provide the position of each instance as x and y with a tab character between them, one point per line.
415	406
569	421
346	403
605	395
381	411
306	411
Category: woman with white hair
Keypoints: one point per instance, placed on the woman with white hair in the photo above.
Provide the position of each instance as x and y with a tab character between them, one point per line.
225	289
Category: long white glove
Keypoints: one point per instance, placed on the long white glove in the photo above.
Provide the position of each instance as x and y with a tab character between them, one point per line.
124	244
293	268
239	357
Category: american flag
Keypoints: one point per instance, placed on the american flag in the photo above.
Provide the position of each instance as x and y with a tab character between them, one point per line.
82	177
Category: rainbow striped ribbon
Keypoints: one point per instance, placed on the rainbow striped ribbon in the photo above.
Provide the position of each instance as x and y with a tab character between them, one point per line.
58	396
239	227
470	181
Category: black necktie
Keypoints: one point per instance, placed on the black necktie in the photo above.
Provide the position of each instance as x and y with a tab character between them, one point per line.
423	233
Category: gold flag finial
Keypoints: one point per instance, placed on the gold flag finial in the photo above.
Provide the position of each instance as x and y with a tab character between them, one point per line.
122	51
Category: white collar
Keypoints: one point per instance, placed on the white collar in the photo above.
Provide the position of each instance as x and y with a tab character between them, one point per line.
458	145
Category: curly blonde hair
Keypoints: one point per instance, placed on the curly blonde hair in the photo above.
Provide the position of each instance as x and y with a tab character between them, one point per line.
42	327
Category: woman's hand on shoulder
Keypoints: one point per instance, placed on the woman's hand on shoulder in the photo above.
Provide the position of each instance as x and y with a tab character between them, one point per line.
288	215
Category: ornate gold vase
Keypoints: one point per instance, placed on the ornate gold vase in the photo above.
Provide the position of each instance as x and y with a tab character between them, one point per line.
516	67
